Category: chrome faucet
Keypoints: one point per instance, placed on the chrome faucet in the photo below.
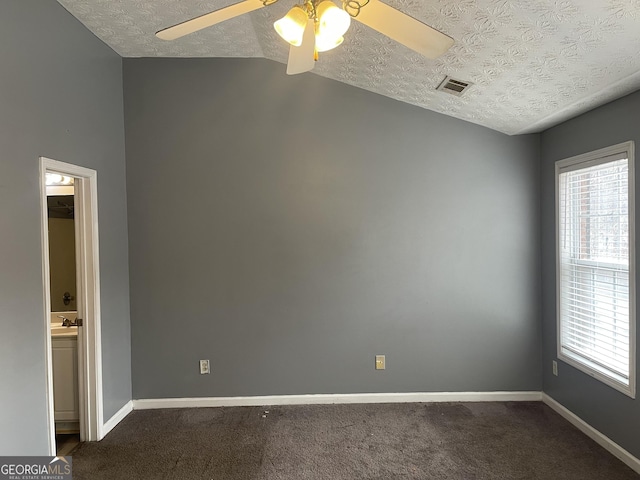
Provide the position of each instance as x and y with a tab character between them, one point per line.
65	321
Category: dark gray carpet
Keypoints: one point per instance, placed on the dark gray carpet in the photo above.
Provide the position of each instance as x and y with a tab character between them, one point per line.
404	441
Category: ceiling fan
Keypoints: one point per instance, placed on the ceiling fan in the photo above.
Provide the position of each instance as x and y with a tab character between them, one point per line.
319	25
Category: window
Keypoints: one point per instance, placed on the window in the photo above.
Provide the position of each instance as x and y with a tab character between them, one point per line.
596	264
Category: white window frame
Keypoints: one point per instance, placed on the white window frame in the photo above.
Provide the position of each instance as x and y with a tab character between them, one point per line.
587	160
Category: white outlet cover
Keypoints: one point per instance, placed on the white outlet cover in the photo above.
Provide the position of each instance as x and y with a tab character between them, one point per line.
204	367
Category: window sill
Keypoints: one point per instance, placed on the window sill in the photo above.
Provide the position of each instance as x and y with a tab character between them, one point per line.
623	385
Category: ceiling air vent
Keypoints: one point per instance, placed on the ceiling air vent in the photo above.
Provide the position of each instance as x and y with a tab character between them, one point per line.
453	86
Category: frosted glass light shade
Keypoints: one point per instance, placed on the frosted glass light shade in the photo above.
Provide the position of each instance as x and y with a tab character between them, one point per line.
291	26
326	43
332	21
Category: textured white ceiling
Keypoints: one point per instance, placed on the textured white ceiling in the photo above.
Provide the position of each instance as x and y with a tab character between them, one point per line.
534	63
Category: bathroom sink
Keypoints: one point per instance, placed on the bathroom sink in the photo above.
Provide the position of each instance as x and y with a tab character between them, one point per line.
59	331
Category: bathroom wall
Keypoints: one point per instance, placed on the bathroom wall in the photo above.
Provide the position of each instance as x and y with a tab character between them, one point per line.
61	97
62	263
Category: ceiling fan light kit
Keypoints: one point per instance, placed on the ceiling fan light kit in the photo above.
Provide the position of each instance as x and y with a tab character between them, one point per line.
320	25
329	24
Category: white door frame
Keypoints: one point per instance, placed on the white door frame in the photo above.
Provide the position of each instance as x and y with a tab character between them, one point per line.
88	297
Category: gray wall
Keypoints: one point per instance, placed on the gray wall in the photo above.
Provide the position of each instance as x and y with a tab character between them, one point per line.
609	411
60	97
62	263
290	228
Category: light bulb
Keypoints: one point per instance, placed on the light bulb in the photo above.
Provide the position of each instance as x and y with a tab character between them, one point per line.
53	178
66	180
332	20
291	26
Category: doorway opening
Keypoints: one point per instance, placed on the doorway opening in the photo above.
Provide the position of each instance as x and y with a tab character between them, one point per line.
64	313
72	304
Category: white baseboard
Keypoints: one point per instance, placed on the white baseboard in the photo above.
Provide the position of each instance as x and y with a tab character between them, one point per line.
116	419
601	439
338	398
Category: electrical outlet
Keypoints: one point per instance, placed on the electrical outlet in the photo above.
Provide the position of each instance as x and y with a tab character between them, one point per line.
555	368
204	367
380	362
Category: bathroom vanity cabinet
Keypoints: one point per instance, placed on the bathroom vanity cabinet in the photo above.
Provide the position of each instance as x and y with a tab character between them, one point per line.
65	381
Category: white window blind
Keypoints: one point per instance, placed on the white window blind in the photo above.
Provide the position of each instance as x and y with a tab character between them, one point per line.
594	252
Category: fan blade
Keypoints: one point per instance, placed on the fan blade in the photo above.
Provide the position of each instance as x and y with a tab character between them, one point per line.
302	58
209	19
404	29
